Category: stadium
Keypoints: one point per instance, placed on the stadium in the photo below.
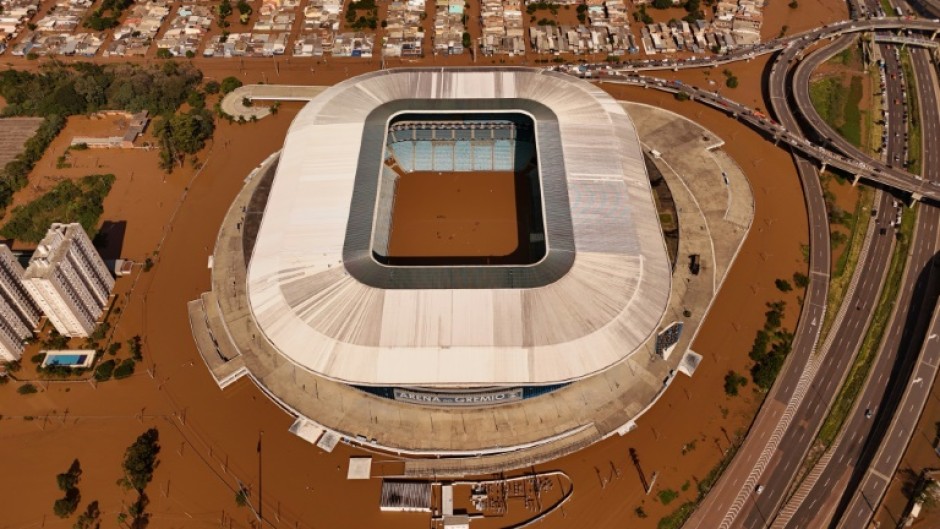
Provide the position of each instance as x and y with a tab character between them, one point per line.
441	245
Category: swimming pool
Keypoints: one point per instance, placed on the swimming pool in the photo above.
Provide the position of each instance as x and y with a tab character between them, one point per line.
69	358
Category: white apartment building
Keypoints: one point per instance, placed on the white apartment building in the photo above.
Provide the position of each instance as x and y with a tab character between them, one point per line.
18	313
68	280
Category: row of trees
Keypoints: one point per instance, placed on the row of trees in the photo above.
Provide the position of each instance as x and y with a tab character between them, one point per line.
771	347
69	201
68	483
82	88
140	460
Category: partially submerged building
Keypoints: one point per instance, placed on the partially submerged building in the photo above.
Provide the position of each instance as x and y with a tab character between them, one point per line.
68	280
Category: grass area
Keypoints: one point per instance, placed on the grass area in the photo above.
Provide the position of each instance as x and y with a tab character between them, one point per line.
838	105
678	517
852	116
828	98
889	9
844	57
913	113
845	265
68	201
872	341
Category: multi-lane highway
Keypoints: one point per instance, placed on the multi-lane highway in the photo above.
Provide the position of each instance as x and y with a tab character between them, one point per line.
815	502
912	378
833	358
724	505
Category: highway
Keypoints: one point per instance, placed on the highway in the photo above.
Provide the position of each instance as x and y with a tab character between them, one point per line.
837	352
815	501
861	165
914	377
780	469
854	162
784	406
887	379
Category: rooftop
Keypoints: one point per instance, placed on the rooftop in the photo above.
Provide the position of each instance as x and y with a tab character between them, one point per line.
597	302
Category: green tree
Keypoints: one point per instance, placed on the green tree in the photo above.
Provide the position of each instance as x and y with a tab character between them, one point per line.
64	507
125	369
230	83
90	518
212	87
783	285
135	344
104	370
733	381
26	389
800	280
224	11
69	479
140	459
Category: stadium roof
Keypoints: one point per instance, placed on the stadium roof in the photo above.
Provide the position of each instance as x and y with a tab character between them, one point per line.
315	312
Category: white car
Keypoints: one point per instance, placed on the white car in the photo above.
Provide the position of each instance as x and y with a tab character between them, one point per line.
759	489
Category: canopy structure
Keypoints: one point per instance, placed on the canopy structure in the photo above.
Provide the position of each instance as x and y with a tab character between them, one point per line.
598	295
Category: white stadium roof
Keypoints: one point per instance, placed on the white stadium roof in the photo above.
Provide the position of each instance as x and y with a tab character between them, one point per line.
317	314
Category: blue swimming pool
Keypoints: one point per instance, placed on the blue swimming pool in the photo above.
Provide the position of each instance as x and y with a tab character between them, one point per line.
66	360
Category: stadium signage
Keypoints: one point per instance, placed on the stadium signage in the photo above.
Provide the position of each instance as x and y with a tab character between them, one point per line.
458	399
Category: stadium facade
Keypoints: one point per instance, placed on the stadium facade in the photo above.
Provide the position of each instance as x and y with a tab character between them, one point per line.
310	298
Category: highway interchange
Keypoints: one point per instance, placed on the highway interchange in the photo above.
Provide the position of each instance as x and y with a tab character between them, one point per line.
849	481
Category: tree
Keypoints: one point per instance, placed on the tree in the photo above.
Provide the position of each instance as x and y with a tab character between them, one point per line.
212	87
801	280
783	285
104	370
224	11
125	369
794	4
64	507
26	389
90	519
164	53
135	345
731	82
196	99
241	497
467	42
68	483
230	83
733	381
140	459
69	479
662	4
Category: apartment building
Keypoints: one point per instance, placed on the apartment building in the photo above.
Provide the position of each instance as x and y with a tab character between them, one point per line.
68	280
18	313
